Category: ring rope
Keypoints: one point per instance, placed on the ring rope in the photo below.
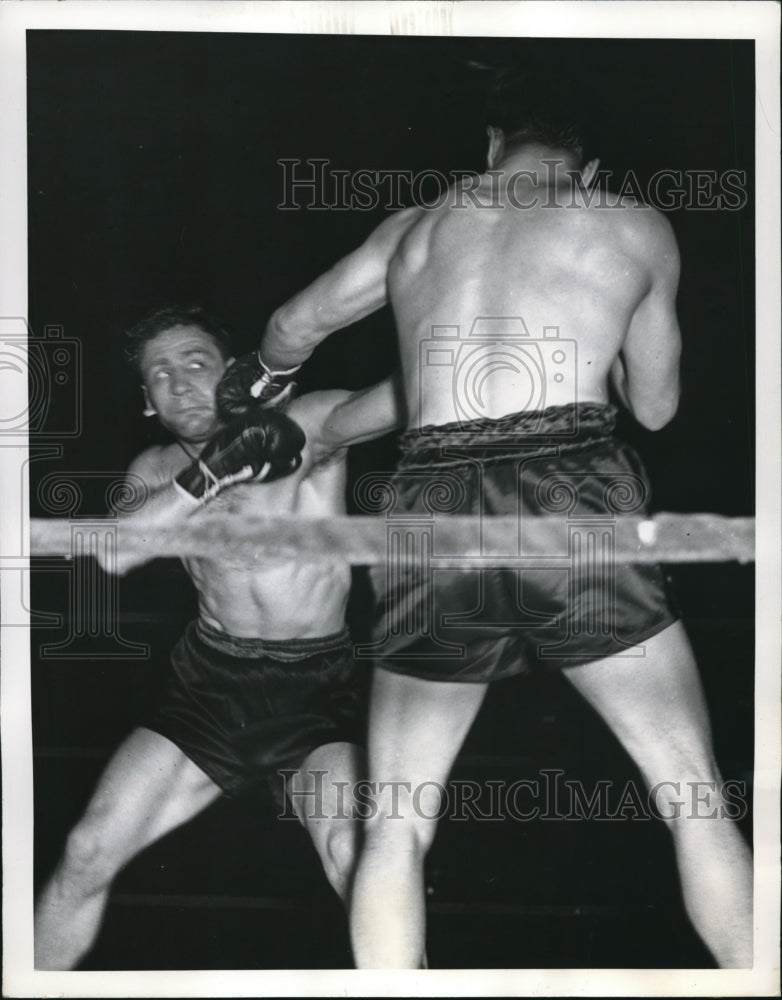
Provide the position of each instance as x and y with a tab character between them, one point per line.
456	541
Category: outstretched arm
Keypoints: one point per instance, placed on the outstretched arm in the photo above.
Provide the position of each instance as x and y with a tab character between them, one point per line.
336	418
361	416
162	505
646	376
349	291
355	287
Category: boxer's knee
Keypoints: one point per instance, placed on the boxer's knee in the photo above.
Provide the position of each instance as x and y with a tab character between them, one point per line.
410	832
339	857
675	760
693	794
91	858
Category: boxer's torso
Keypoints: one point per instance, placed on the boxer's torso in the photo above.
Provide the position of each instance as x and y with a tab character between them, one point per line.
574	275
275	598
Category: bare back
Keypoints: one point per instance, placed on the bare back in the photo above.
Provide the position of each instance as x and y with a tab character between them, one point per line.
505	309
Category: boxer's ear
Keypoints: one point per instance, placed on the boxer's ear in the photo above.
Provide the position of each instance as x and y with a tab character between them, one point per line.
496	146
588	171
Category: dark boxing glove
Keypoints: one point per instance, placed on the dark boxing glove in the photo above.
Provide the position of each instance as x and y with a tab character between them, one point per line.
249	382
262	445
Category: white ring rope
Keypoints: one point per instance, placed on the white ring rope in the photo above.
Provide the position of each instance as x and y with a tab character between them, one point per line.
455	541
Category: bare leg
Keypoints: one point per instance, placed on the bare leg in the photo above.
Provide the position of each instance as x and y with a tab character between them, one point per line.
148	788
656	709
416	729
325	805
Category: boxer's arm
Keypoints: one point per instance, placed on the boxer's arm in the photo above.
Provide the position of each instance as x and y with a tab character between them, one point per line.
362	416
148	477
153	500
648	376
618	378
349	291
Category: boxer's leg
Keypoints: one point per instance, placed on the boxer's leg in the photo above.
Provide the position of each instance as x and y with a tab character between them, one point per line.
148	788
416	729
655	706
321	793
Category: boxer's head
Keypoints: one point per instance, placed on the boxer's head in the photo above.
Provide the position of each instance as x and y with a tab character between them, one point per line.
180	354
537	107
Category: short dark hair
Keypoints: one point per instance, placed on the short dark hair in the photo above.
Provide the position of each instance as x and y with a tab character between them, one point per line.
538	105
157	322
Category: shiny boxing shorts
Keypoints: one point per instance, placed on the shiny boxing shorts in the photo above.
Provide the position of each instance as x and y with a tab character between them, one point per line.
576	606
242	708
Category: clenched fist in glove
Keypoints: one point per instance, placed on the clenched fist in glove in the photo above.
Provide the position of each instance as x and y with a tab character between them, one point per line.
249	382
262	445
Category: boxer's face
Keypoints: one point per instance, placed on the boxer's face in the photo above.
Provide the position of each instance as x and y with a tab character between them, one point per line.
180	368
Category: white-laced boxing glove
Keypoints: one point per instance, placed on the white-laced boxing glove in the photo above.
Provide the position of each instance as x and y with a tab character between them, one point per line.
262	445
249	382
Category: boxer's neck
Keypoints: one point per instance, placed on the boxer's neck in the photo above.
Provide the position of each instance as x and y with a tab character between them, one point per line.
540	166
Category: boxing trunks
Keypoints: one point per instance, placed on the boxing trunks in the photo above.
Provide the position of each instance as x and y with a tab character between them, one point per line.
565	607
242	709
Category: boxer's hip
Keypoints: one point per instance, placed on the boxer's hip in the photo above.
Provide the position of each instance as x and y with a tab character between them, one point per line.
562	460
556	430
564	607
241	708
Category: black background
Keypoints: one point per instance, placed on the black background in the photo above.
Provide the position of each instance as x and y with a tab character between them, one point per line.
153	177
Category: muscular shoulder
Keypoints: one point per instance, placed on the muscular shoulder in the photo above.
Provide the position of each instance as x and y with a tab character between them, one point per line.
398	223
312	413
386	238
647	234
659	243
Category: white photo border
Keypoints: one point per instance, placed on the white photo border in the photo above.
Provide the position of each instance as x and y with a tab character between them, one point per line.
558	18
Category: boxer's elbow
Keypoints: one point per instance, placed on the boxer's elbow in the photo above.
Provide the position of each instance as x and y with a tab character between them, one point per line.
289	338
653	391
656	411
655	421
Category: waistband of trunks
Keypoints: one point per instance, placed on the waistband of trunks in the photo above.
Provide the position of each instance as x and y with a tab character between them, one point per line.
557	429
285	650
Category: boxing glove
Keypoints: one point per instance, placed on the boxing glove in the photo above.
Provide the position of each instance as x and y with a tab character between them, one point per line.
249	382
263	445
